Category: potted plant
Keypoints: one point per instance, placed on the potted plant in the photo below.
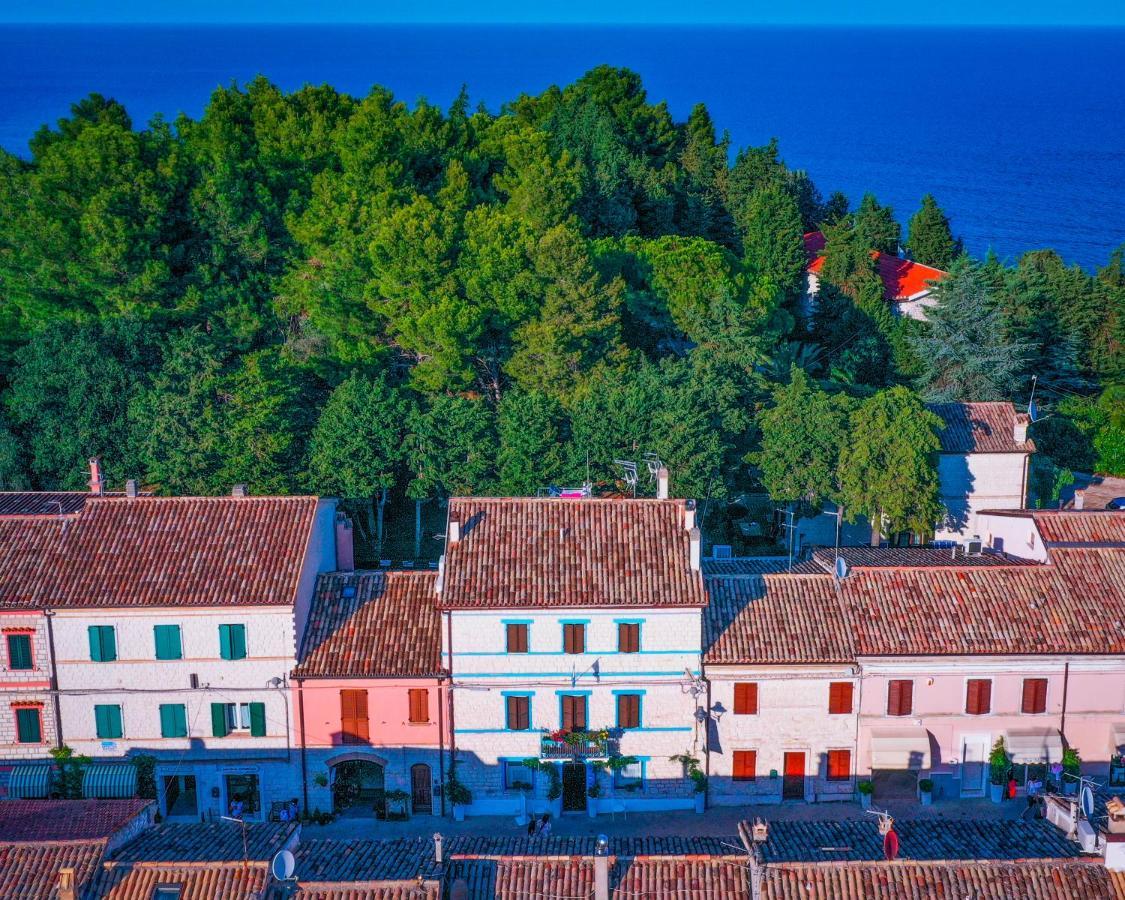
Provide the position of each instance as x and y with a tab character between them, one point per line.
396	804
698	779
865	789
998	765
459	795
1071	766
926	791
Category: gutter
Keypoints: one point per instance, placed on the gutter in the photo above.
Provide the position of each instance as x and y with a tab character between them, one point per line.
54	678
304	755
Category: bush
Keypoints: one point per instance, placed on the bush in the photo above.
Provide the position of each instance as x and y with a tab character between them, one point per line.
999	763
1071	761
866	787
926	785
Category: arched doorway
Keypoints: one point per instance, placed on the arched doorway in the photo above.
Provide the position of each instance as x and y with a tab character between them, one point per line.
421	788
357	788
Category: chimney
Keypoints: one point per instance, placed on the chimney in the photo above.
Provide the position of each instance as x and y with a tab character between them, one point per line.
601	868
131	487
439	582
66	885
662	483
454	531
689	515
1115	852
239	490
97	480
694	540
1019	430
345	544
1080	498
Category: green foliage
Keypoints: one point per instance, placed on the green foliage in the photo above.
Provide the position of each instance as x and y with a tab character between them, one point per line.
772	244
71	770
146	775
1071	761
876	226
531	430
452	447
865	787
887	468
999	763
929	238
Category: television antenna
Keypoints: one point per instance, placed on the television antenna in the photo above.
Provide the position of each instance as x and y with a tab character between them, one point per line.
654	464
629	468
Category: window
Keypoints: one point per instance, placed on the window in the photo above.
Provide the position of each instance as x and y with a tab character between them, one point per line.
574	637
629	637
232	641
173	720
1034	695
628	710
19	652
419	705
745	765
630	776
354	724
516	773
518	712
573	712
517	637
107	721
746	698
839	765
29	725
168	644
228	717
978	696
900	697
167	892
243	789
103	643
840	698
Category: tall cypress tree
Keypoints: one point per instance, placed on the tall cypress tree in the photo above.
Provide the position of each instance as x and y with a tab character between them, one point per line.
877	226
929	238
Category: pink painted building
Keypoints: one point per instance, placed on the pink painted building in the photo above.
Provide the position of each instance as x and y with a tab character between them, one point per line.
370	695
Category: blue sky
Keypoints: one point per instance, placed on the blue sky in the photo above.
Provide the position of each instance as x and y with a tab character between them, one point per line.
775	12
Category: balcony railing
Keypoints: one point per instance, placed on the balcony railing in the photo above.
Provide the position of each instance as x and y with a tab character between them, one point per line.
575	745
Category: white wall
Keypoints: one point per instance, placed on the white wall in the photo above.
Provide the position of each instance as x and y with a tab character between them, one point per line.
320	556
1017	535
975	481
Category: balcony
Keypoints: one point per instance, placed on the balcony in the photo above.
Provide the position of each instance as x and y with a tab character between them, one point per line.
560	745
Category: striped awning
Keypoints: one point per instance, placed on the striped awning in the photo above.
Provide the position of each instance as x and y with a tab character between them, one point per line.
30	782
1034	745
110	782
900	748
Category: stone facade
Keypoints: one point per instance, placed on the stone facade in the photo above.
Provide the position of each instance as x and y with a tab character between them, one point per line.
25	686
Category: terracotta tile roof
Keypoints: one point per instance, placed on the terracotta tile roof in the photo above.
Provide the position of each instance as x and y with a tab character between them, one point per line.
1075	604
996	880
389	626
42	503
1117	885
204	881
902	278
404	891
66	820
528	552
182	551
919	839
980	428
1097	490
745	565
31	871
324	861
469	845
205	842
912	558
27	548
713	878
1073	526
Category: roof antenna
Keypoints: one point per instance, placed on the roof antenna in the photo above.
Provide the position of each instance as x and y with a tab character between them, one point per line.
630	472
654	464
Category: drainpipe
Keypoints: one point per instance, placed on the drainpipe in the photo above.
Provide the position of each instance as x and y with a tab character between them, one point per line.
48	615
304	755
858	715
452	730
441	740
1066	684
707	739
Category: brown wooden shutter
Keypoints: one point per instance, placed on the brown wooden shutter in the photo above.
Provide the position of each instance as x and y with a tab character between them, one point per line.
978	699
900	698
362	724
746	698
419	705
517	639
574	713
628	637
518	713
840	697
1034	695
628	711
745	765
839	765
574	638
353	716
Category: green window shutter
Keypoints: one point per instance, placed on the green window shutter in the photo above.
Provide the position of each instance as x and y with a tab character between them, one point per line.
257	720
107	720
173	720
168	644
95	633
103	645
219	719
232	641
19	651
28	727
224	641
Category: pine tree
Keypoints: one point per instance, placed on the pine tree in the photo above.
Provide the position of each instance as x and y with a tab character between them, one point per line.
929	238
772	244
531	429
877	227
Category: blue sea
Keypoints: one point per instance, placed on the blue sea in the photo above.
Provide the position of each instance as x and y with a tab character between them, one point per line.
1020	134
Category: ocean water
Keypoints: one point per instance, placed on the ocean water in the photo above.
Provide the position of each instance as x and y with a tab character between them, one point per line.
1020	134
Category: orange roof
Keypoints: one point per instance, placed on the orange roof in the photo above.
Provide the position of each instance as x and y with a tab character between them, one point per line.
902	278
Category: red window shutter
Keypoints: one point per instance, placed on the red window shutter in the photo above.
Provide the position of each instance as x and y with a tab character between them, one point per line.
419	705
362	726
517	638
746	698
839	765
745	765
518	708
628	711
574	713
840	697
1034	695
574	638
978	701
900	698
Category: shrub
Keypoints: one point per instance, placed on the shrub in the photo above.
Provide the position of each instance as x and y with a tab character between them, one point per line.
998	763
866	787
926	785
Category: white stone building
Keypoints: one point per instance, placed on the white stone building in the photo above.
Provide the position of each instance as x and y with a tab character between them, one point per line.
580	617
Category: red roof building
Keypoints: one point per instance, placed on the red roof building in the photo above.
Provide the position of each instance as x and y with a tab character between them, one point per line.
903	279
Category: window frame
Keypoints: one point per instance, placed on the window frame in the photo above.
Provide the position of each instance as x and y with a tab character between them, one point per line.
968	684
508	765
624	781
523	628
833	688
828	757
1038	680
622	625
26	636
735	776
742	688
38	712
618	696
909	682
567	625
573	696
104	714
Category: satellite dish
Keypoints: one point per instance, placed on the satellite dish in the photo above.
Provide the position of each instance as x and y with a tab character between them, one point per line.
282	865
842	568
1086	798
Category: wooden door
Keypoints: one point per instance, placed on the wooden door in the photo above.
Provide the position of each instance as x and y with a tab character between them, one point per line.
574	787
793	785
421	788
974	767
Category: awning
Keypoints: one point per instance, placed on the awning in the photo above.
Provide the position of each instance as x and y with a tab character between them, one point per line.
111	782
1118	738
30	782
900	748
1034	745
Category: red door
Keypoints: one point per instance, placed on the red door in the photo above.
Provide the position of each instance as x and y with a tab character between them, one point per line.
793	786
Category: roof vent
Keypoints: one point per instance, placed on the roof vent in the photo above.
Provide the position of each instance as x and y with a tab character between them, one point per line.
239	490
662	483
131	487
454	531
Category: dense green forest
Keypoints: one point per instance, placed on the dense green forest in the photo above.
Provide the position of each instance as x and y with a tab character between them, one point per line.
315	292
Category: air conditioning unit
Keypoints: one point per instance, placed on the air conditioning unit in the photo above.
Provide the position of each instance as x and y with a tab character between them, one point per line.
720	551
973	546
